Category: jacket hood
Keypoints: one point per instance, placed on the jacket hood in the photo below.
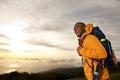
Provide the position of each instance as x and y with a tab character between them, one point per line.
88	28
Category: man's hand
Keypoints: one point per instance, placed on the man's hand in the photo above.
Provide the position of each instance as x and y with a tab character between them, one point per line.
78	50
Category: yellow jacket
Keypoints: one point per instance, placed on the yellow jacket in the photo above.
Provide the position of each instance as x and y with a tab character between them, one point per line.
92	48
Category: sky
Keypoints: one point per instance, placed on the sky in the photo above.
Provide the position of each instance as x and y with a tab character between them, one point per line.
41	31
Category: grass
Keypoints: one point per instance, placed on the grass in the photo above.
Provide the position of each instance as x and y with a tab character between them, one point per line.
77	79
114	76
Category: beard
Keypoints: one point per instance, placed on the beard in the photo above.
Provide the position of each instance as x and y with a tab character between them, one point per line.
79	35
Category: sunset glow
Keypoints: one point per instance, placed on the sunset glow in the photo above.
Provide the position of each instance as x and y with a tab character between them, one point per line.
13	30
34	32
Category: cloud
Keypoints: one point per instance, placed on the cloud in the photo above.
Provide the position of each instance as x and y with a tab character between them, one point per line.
50	25
3	43
51	22
58	17
4	36
26	64
62	60
46	44
2	50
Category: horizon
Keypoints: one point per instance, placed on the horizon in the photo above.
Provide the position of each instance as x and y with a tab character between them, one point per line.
37	31
25	63
29	64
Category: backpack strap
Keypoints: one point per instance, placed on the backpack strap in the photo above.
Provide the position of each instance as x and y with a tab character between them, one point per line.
96	71
81	39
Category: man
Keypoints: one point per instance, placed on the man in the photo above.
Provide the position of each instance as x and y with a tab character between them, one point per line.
91	50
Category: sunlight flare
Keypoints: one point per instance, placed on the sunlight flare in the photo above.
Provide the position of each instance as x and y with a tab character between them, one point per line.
14	30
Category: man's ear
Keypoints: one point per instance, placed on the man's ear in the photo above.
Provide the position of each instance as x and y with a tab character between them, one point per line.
84	29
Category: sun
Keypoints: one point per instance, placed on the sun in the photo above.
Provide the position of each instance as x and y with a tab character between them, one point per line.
17	46
14	30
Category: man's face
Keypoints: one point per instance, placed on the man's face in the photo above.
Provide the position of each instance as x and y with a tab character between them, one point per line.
78	30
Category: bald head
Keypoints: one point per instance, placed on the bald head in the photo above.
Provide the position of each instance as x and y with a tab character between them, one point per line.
80	24
79	28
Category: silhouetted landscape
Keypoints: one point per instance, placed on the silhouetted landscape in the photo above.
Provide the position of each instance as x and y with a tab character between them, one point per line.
38	39
55	74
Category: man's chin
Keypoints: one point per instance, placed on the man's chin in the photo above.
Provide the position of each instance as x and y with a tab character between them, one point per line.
78	36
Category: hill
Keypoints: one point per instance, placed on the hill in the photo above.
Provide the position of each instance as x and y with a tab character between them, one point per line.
55	74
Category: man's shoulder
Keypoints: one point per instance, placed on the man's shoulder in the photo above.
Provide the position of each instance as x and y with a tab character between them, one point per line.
91	37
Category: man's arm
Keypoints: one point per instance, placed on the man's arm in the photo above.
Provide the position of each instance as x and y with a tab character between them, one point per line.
78	48
92	48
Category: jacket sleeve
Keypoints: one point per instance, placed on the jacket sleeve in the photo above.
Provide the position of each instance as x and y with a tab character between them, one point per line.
92	48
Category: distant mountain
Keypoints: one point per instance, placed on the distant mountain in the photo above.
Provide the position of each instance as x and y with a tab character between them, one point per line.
54	74
67	70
